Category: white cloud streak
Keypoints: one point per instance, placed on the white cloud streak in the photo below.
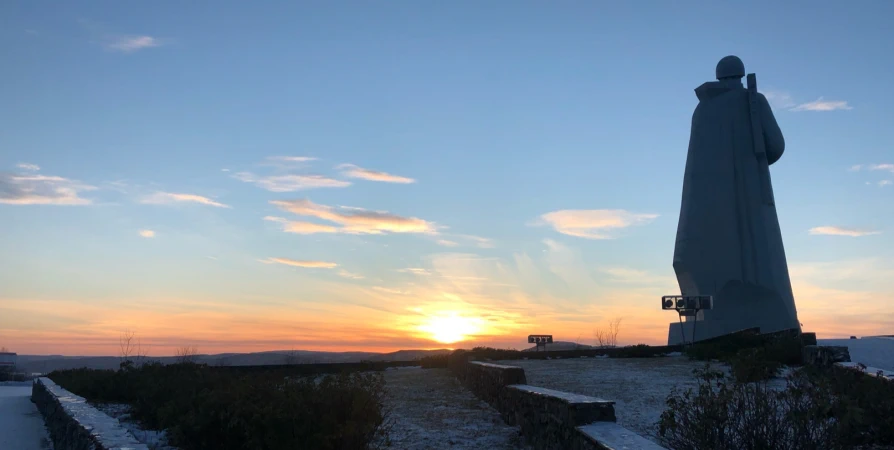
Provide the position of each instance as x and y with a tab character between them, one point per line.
130	44
298	159
822	105
290	183
29	167
841	231
169	198
147	233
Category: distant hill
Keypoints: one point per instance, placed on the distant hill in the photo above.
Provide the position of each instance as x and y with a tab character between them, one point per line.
49	363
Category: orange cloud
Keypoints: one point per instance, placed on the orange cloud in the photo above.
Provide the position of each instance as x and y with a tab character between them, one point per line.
300	227
593	223
352	171
307	264
357	220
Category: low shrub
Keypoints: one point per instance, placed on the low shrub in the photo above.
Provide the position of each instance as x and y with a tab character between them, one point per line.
752	357
208	408
753	364
637	351
495	354
434	361
724	348
729	416
818	409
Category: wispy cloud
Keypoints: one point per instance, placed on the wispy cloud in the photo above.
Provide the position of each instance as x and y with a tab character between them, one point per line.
855	168
455	240
389	290
593	223
886	167
357	220
634	276
477	241
286	163
822	105
354	276
27	166
168	198
298	159
885	183
290	183
352	171
300	263
33	189
130	44
147	233
841	231
415	271
779	99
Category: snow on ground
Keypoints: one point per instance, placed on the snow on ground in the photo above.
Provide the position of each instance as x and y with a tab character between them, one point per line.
638	386
871	351
430	409
21	425
155	440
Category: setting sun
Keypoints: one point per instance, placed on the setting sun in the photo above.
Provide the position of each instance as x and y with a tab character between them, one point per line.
451	327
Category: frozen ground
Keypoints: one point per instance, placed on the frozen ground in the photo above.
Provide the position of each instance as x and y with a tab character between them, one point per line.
874	352
638	386
155	440
21	425
431	410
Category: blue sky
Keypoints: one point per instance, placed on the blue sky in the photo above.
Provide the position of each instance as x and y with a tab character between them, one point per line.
469	123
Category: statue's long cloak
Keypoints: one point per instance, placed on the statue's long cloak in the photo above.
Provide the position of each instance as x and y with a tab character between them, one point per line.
729	243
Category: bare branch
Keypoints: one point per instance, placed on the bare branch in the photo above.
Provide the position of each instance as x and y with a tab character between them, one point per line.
187	355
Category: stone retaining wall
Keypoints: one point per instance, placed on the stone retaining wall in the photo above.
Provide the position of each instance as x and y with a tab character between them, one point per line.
75	425
548	419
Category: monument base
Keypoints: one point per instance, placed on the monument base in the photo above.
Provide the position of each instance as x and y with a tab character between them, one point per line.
707	329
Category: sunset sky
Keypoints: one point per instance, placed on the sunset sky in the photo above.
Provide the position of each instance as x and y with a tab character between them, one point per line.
385	175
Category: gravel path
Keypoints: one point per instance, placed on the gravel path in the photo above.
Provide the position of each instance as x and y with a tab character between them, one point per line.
431	410
21	425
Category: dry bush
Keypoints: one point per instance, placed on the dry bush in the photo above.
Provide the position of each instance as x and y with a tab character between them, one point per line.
608	337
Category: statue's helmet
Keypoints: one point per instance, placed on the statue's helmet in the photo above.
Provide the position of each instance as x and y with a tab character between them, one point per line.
730	67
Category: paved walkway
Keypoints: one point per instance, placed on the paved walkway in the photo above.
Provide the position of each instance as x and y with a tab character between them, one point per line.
21	426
